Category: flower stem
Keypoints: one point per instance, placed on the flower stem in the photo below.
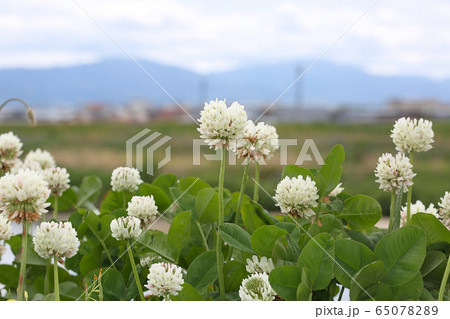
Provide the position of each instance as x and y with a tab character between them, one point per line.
205	243
241	193
48	267
23	261
219	255
391	212
444	281
135	273
55	208
256	190
56	280
409	195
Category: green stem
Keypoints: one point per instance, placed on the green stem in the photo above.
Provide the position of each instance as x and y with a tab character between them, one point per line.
219	255
135	273
256	190
341	293
55	208
409	195
48	267
205	243
444	281
103	245
391	212
56	280
23	261
241	193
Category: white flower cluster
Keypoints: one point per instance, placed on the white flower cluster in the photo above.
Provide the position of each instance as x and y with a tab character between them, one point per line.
5	228
394	172
27	164
336	191
259	142
125	179
144	208
256	288
296	196
418	207
124	228
412	135
56	239
164	279
444	212
10	150
57	179
221	125
23	195
256	265
44	158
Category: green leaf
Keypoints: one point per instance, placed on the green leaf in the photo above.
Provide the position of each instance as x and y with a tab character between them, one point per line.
165	182
202	272
329	224
162	200
263	239
351	256
250	218
318	257
188	293
410	290
432	260
114	201
236	237
402	252
9	276
90	189
234	273
360	237
157	242
90	261
285	280
179	232
66	201
183	199
362	212
69	290
364	286
192	184
207	205
434	230
295	171
329	175
113	284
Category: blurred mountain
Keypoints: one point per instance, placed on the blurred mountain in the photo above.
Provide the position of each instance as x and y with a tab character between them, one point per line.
117	81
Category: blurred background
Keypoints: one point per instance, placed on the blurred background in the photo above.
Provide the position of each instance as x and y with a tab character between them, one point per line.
97	72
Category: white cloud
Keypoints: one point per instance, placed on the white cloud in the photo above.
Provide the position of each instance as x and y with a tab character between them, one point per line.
394	38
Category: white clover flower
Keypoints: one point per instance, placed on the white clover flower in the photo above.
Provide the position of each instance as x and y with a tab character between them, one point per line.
44	158
124	228
256	288
394	172
444	212
296	196
164	279
256	265
27	164
57	179
5	228
56	239
418	207
125	179
259	142
336	191
412	135
10	150
23	196
221	125
144	208
146	261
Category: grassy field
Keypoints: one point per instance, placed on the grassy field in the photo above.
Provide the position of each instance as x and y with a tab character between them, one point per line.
99	148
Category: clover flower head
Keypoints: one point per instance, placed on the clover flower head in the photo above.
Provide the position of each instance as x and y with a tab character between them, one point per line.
259	142
336	191
297	196
10	150
44	158
57	179
164	279
124	228
144	208
125	179
412	135
23	195
222	126
23	165
5	228
418	207
394	172
256	288
444	211
256	265
56	239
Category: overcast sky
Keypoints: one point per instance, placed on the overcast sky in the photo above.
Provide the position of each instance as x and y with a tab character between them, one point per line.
401	37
